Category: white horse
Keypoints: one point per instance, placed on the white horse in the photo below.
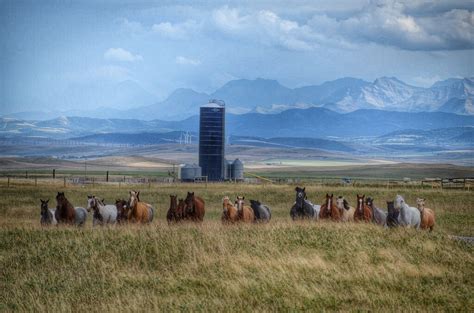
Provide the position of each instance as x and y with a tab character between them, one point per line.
347	211
103	214
316	209
409	216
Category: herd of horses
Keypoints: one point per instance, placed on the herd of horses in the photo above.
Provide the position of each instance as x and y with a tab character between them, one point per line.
192	208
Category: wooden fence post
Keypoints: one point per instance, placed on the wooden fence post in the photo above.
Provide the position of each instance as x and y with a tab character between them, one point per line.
64	182
8	182
107	176
36	182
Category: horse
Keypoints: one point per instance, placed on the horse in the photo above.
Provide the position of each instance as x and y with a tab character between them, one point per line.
172	214
409	216
103	214
195	207
378	216
347	211
230	214
302	208
261	211
427	215
47	214
65	212
181	210
139	211
392	215
363	211
245	212
329	209
122	210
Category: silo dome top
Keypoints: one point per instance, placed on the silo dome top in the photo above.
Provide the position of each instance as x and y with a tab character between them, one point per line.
214	103
237	162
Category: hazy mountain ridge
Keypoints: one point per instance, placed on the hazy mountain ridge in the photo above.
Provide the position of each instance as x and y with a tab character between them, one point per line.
454	95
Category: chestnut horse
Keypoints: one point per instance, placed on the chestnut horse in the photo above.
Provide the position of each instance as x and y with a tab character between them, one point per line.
139	211
363	212
195	207
230	213
427	215
65	212
329	209
245	212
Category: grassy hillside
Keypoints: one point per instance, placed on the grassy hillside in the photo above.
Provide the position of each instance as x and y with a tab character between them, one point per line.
280	266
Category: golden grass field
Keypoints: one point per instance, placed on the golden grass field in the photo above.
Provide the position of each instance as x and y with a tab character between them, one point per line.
281	266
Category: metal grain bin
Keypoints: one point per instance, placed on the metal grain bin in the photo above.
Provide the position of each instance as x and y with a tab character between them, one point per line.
237	170
188	172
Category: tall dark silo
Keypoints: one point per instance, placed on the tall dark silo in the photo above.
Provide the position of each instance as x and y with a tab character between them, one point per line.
212	140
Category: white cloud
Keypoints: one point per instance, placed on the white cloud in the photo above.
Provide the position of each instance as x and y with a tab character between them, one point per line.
121	55
178	31
187	61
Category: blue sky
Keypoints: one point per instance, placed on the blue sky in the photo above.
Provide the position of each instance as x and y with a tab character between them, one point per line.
59	54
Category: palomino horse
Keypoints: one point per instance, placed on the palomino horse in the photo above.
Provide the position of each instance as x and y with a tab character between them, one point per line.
47	214
329	209
67	214
427	215
140	212
261	211
230	213
302	208
379	217
195	207
409	216
122	210
392	215
172	214
245	212
362	212
347	211
103	214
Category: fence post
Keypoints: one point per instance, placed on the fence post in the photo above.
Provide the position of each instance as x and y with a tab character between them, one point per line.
8	182
54	173
107	176
36	181
149	184
64	182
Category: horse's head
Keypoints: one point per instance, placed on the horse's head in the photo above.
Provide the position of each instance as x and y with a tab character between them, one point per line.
173	202
360	202
300	196
254	204
391	207
420	203
122	209
91	203
60	199
44	206
190	200
225	203
342	203
399	202
181	207
134	198
369	201
240	202
329	202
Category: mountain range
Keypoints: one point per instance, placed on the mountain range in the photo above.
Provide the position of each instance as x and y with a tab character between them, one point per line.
454	95
308	123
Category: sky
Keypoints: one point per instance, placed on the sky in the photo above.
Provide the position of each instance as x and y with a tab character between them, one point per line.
61	55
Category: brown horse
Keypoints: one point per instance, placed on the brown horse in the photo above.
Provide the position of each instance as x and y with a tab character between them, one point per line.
363	212
172	214
195	207
329	209
181	210
139	211
123	210
65	212
427	215
245	212
230	213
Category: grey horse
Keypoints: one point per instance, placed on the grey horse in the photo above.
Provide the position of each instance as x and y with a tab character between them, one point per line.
47	214
302	208
80	217
261	211
103	214
409	216
379	217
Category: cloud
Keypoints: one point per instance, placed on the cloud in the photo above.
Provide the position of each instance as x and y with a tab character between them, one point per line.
187	61
396	24
121	55
177	31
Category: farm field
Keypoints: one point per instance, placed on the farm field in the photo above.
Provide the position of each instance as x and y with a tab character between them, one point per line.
283	265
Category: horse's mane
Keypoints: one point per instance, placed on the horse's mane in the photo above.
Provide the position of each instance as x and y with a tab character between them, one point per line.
346	205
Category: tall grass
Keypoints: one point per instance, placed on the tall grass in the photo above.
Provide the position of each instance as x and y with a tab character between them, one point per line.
281	266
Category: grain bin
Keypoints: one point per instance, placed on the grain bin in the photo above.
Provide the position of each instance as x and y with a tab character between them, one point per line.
189	172
237	170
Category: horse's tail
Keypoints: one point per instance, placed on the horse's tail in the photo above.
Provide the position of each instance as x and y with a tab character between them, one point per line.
151	213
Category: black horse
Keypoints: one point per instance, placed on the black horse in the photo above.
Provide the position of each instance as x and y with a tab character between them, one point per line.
392	215
301	209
